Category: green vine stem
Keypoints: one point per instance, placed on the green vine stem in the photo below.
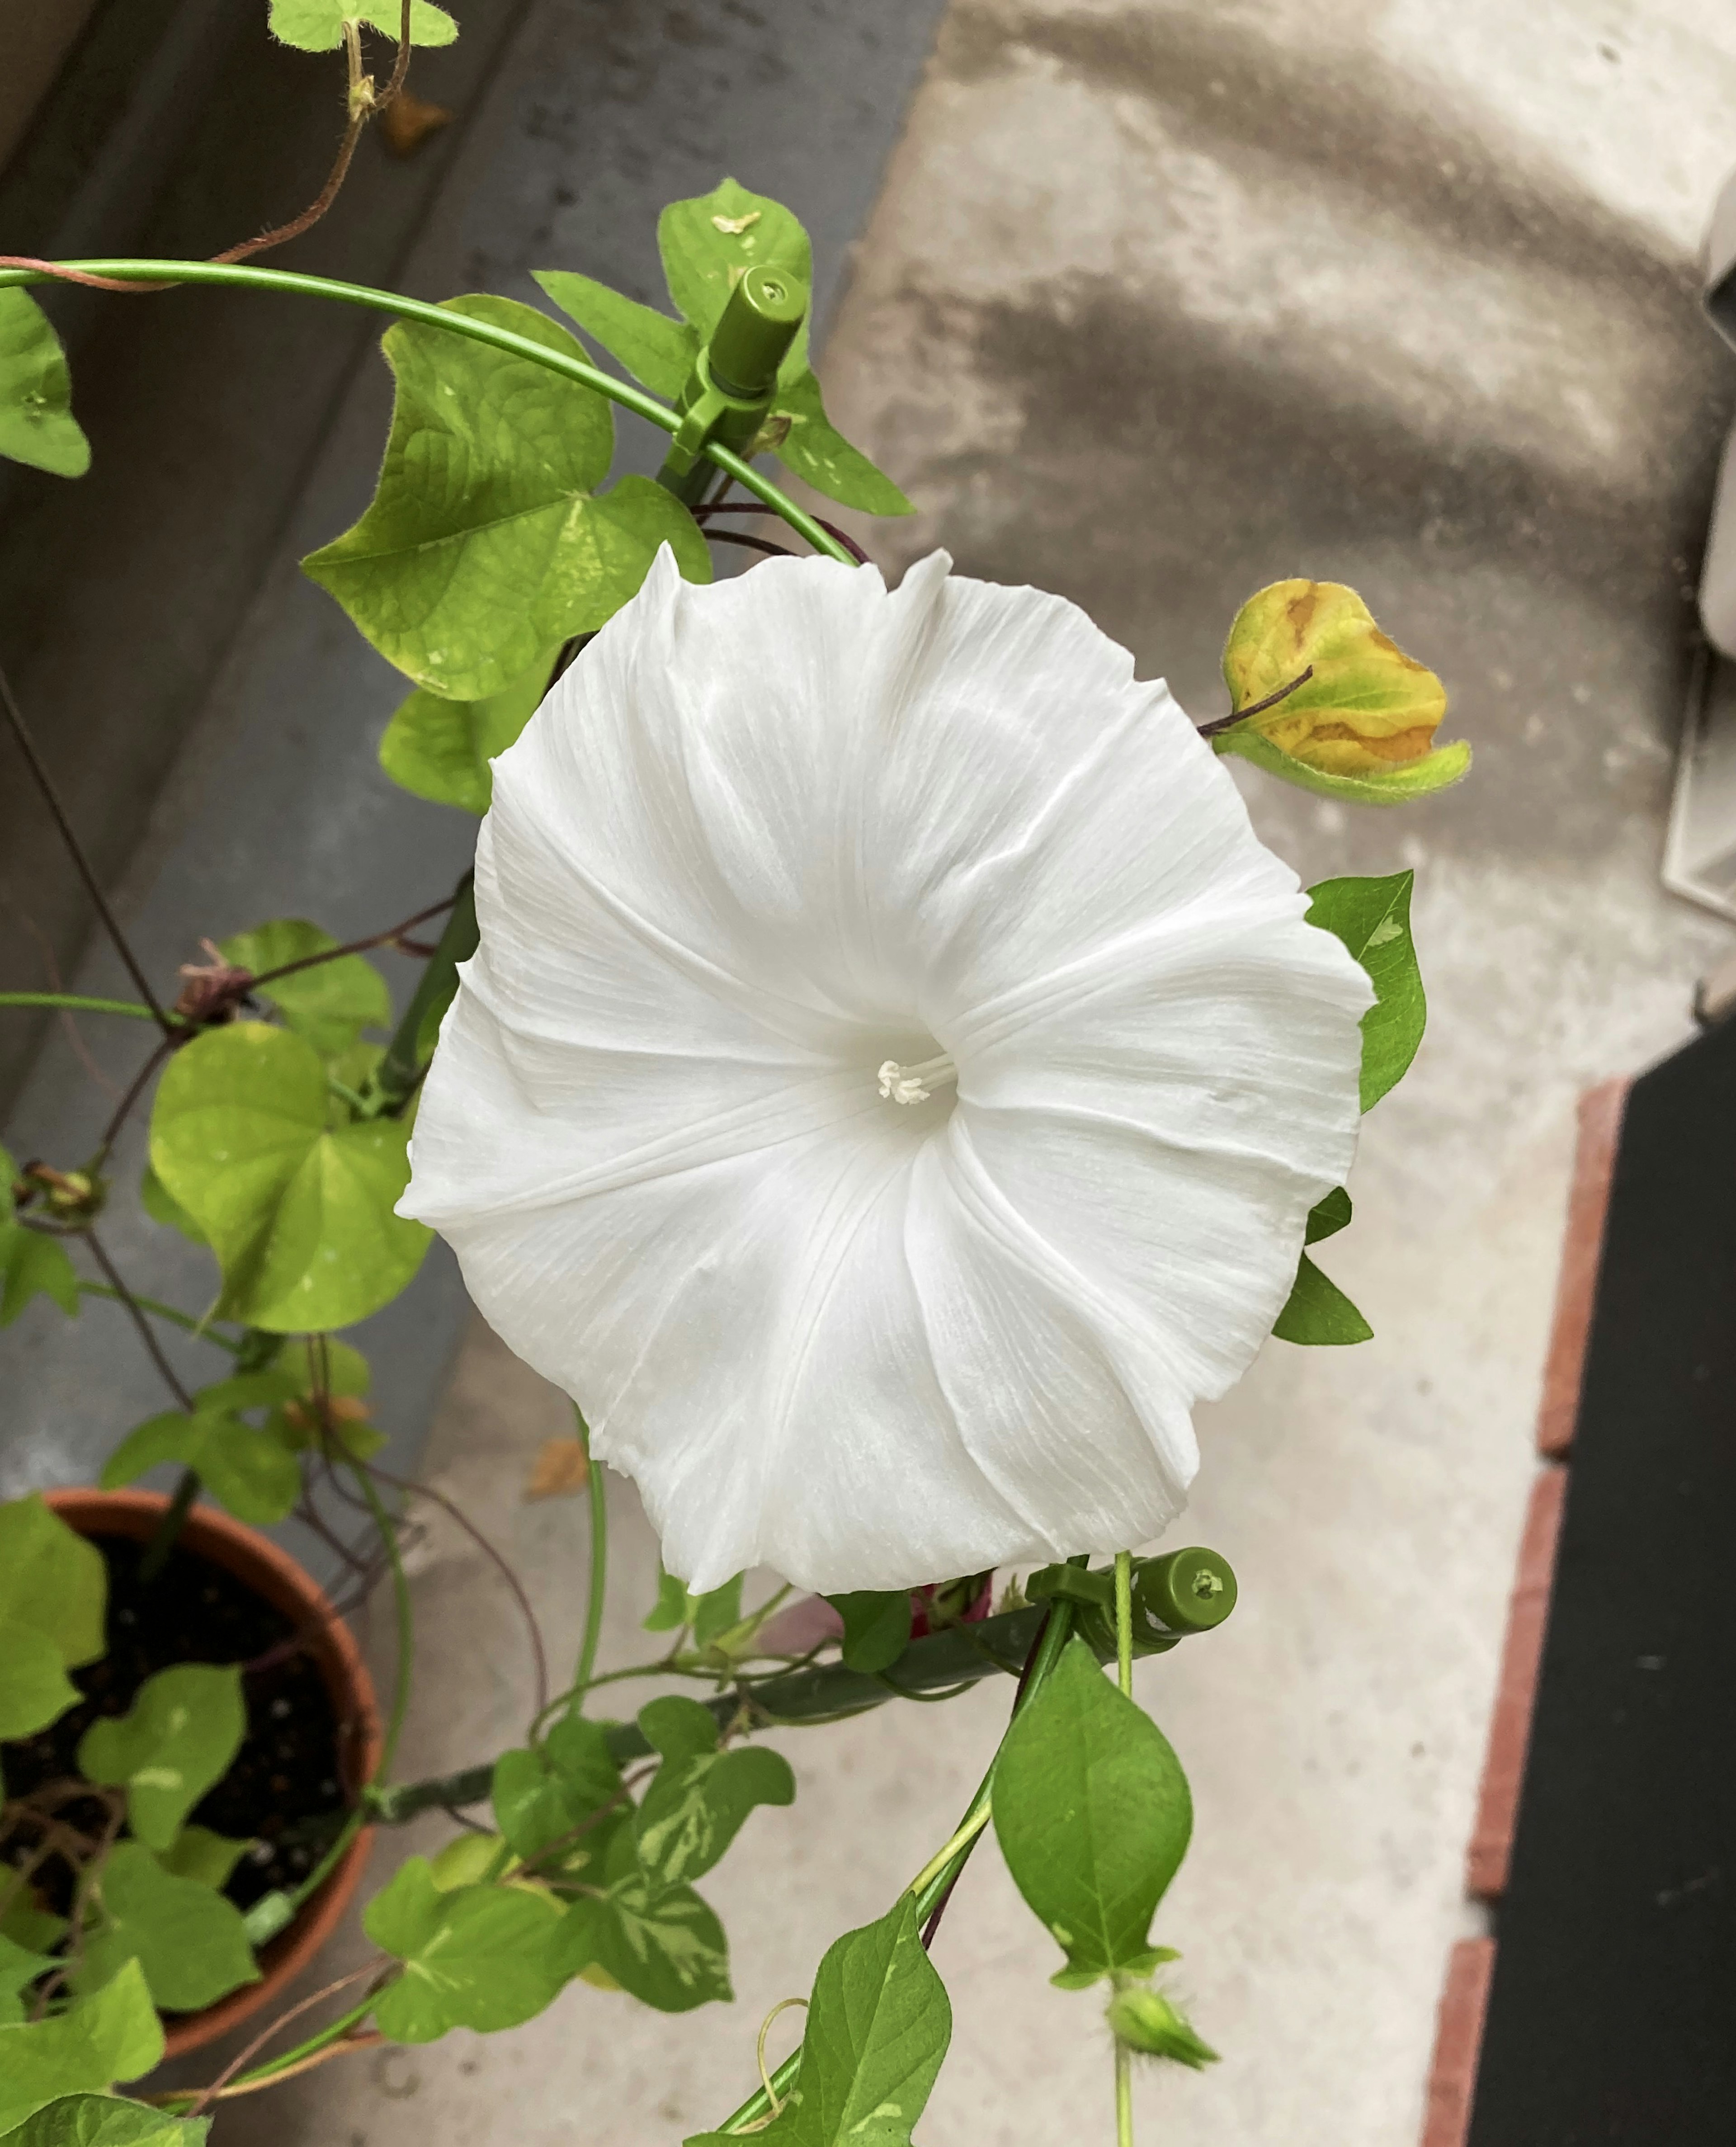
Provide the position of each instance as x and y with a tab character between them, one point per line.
598	1493
1124	1678
239	276
73	1003
403	1066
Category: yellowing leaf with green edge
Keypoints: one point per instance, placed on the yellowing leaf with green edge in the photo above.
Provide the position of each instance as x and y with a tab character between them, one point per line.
37	424
316	26
53	1581
297	1208
329	1003
114	2034
440	750
486	542
177	1739
1360	725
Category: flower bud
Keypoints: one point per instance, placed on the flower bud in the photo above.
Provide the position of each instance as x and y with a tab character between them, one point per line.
1143	2019
1358	718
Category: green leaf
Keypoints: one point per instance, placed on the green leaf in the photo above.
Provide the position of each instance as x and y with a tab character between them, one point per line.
478	1957
198	1853
104	2120
33	1265
160	1204
1317	1311
440	750
666	1948
316	26
114	2034
673	1607
299	1213
1092	1810
877	1627
37	424
821	455
26	1925
1328	1216
699	1796
544	1792
189	1940
653	349
878	2027
53	1580
486	542
19	1967
34	1687
184	1727
716	1612
245	1470
1371	917
330	1004
709	243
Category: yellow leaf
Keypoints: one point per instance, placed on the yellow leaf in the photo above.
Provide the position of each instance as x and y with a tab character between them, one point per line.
1365	709
561	1469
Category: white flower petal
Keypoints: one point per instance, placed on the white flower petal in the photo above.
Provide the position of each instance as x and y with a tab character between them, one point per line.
765	838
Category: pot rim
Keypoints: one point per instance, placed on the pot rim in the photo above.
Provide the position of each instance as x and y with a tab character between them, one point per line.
267	1569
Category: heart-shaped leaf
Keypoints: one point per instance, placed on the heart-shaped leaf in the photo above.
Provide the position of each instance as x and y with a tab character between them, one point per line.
189	1940
477	1957
184	1727
700	1796
37	424
440	750
114	2034
247	1471
298	1210
330	1003
316	26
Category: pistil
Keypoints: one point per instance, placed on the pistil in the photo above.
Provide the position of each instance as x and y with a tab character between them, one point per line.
915	1084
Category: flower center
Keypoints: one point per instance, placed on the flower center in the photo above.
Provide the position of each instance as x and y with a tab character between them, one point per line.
915	1084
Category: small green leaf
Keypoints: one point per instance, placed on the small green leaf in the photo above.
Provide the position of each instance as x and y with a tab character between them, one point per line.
160	1204
52	1580
710	241
1328	1216
316	26
1317	1311
26	1925
440	750
543	1793
716	1612
37	424
478	1957
877	1627
105	2121
666	1948
486	542
299	1213
699	1796
34	1265
34	1687
877	2029
1371	917
177	1738
1092	1812
112	2036
196	1853
329	1004
673	1607
247	1472
19	1967
820	455
189	1940
653	349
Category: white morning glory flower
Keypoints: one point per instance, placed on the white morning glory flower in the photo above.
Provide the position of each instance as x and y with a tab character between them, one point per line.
894	1077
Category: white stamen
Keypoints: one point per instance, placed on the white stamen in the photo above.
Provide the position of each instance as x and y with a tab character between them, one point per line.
915	1084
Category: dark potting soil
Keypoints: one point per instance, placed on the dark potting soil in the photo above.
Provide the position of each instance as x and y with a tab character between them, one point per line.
284	1791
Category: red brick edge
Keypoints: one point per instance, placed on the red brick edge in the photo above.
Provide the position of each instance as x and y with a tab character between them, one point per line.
1458	2042
1600	1129
1464	1997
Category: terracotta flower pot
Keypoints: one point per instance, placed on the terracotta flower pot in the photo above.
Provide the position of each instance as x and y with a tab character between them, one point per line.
271	1573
